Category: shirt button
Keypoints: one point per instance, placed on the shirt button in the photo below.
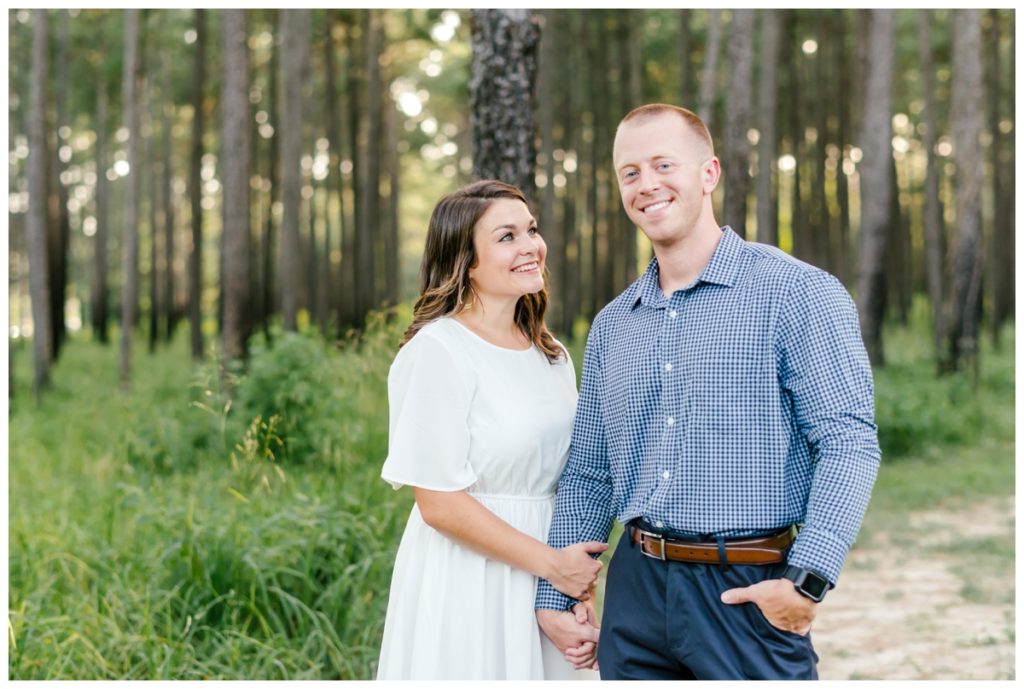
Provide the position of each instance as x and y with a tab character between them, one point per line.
670	421
658	524
668	367
664	475
673	313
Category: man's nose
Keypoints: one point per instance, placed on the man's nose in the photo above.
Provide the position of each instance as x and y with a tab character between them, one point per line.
648	180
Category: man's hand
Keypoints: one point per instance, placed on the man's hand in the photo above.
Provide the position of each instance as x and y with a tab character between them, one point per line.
779	602
572	633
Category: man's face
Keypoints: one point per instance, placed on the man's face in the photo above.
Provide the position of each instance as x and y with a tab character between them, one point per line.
664	172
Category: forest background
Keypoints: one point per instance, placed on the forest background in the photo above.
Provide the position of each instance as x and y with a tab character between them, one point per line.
238	200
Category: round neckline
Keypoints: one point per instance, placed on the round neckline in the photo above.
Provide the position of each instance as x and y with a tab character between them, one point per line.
488	342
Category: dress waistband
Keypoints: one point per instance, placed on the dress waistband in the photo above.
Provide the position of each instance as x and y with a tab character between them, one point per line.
507	496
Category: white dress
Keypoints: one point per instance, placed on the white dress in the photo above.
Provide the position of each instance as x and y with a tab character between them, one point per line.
467	414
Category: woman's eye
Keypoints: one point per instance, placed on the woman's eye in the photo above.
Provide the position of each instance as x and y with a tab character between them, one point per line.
505	237
533	230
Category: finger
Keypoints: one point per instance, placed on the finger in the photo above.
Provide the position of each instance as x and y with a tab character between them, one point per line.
580	611
593	547
734	596
581	651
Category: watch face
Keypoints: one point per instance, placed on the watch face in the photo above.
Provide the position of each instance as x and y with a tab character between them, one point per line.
814	585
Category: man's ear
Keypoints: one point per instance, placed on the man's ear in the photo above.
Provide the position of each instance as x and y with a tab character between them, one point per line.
711	173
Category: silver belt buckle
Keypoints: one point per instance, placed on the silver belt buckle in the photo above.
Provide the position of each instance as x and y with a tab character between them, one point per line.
657	537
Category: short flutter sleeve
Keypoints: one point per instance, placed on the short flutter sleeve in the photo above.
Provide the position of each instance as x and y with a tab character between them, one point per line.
428	437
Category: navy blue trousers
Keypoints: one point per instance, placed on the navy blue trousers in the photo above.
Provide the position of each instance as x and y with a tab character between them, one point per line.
666	620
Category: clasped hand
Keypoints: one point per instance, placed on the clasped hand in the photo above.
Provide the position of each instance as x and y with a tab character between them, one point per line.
574	632
573	571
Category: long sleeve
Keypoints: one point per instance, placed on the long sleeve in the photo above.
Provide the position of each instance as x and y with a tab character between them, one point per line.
583	504
826	373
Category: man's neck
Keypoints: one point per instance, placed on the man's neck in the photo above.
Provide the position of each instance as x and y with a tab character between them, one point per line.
682	262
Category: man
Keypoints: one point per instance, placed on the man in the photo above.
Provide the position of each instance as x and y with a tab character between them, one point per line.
726	399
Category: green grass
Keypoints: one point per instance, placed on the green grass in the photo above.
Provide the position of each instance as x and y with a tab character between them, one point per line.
167	534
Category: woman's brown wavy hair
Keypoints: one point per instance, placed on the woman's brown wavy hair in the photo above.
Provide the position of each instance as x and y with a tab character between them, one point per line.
450	253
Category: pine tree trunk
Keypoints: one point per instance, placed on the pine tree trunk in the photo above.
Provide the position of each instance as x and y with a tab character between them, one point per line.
501	96
61	224
737	119
683	44
99	291
130	243
933	225
876	185
295	27
709	70
394	171
353	266
39	286
767	106
369	173
966	117
552	231
268	241
234	159
167	203
195	259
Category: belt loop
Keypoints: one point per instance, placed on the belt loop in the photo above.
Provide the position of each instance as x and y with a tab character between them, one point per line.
632	535
722	557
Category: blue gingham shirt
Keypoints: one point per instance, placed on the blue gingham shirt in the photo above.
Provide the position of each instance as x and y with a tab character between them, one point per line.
739	404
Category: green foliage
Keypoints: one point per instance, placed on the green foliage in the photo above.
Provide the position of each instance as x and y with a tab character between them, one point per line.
175	533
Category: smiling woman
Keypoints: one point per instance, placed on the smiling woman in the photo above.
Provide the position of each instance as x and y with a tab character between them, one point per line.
481	405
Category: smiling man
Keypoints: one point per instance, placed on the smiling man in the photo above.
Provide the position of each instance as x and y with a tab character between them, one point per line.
725	418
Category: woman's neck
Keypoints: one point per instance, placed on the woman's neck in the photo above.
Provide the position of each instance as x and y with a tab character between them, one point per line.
494	323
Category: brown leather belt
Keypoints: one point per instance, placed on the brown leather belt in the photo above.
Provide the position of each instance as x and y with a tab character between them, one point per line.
762	550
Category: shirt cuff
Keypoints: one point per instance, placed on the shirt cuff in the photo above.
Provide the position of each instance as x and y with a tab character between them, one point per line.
819	551
550	598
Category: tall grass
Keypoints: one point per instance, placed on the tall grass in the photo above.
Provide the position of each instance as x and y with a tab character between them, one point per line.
182	532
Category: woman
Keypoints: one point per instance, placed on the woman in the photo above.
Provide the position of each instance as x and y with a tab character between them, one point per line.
481	400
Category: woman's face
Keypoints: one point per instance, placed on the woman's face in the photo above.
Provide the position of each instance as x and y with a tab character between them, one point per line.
509	252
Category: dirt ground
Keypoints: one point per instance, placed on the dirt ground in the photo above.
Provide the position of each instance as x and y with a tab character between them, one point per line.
933	601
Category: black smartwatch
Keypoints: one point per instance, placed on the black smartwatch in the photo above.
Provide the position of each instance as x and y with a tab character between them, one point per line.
807	583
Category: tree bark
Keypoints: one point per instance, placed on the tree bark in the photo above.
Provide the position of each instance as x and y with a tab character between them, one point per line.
295	27
98	285
966	105
234	158
60	225
130	243
709	71
552	231
394	171
170	314
737	119
369	173
39	287
1002	245
933	226
195	259
684	46
875	182
273	175
767	144
501	96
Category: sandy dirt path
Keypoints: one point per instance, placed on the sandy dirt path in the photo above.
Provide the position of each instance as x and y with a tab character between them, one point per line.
933	601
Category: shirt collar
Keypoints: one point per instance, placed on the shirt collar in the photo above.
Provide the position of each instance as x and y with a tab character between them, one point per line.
720	270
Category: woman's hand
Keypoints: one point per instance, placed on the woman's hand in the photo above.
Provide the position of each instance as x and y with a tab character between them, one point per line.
584	656
573	571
